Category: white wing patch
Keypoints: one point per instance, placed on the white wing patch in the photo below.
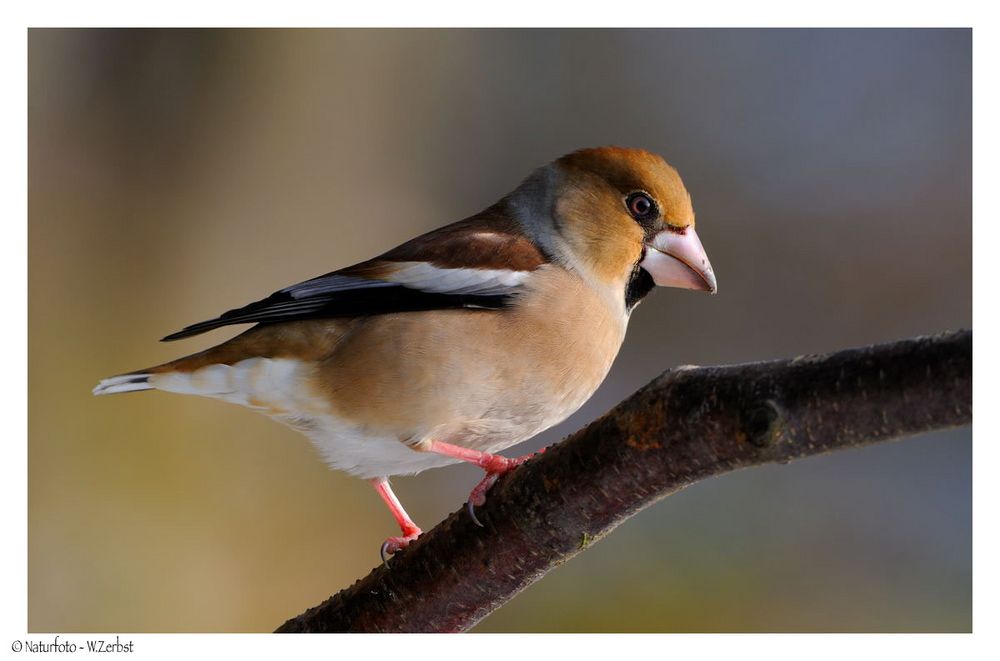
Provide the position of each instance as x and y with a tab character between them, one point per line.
423	277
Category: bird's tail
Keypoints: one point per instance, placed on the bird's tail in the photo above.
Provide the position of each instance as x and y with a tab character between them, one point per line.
241	367
143	379
123	383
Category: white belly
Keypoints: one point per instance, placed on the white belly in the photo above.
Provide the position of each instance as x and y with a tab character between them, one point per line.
284	389
280	389
361	453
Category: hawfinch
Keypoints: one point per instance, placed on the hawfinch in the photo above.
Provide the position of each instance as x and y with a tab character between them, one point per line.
463	341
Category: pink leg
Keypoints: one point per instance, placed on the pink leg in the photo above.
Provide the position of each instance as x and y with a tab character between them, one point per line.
409	529
494	465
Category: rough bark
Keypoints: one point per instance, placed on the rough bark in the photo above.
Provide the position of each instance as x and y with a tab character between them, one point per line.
688	424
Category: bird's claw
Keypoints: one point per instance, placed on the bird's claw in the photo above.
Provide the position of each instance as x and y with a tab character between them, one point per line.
471	509
393	545
478	495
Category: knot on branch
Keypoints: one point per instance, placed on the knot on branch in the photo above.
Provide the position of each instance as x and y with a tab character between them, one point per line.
764	424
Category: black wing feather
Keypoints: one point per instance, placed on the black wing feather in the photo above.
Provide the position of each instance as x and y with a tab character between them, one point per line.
489	240
281	306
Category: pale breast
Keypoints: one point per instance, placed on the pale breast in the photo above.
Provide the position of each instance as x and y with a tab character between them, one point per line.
368	391
480	379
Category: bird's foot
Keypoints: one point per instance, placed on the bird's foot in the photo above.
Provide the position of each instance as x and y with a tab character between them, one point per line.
395	544
409	529
495	466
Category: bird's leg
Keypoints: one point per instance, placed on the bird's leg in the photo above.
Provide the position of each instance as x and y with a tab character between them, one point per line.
494	465
409	529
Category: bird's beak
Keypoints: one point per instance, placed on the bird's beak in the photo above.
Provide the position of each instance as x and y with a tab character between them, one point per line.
677	259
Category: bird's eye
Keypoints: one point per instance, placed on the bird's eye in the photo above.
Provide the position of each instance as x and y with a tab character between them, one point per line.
641	206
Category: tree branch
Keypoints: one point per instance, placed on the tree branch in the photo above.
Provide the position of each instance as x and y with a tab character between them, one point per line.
688	424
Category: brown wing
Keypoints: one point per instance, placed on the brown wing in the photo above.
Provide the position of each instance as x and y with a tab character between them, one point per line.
479	263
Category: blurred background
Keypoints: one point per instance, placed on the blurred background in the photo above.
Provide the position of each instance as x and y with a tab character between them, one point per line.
175	174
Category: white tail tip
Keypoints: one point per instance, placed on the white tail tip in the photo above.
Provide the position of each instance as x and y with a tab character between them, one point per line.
123	383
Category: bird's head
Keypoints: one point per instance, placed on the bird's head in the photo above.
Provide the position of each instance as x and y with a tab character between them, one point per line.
623	218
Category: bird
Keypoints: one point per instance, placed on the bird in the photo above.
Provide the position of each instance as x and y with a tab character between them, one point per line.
464	341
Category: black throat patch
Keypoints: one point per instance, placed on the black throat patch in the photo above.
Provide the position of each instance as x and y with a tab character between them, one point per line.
639	284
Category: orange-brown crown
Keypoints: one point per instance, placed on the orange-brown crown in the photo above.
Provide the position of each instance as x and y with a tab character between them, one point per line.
591	206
